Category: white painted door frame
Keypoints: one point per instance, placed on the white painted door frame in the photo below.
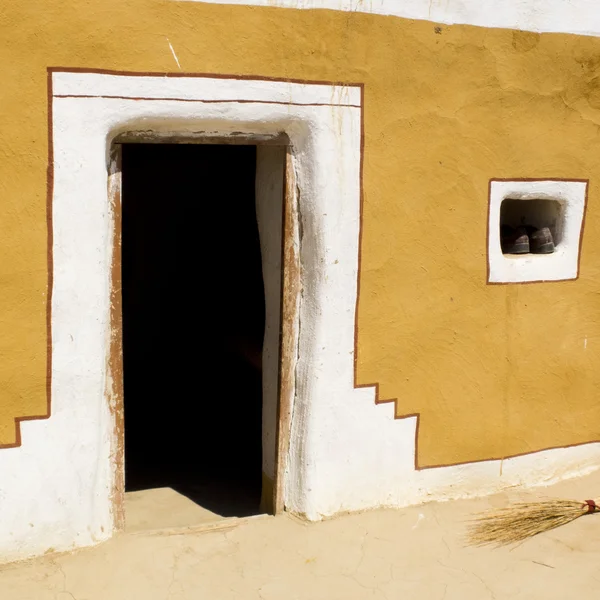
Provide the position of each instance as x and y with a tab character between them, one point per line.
88	111
277	216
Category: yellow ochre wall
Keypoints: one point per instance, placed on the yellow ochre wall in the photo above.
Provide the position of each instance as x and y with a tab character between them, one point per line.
493	371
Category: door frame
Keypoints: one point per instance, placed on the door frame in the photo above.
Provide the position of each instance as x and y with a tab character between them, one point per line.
289	305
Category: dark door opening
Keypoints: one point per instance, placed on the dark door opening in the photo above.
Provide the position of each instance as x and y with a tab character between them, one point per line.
193	323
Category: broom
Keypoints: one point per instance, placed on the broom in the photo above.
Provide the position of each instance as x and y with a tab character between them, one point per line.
524	520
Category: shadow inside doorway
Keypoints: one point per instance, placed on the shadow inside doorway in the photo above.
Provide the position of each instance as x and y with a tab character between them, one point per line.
193	324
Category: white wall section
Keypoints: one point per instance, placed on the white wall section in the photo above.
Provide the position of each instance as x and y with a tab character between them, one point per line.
566	16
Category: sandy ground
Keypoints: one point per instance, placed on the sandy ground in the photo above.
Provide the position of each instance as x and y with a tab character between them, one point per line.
415	553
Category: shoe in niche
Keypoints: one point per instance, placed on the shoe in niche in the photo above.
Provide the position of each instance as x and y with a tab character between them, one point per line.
514	241
541	241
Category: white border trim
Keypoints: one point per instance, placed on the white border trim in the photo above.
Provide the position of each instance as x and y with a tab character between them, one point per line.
562	16
563	264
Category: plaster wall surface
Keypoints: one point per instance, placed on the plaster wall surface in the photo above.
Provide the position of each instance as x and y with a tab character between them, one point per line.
493	385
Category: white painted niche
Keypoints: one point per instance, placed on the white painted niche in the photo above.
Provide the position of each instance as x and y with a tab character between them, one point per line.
557	204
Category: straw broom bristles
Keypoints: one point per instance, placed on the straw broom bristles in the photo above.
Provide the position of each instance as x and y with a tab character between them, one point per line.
522	521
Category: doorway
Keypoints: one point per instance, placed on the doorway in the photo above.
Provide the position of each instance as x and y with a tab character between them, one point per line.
320	125
193	302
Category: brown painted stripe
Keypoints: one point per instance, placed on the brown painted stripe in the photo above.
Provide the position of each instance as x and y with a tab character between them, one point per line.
208	101
49	250
360	231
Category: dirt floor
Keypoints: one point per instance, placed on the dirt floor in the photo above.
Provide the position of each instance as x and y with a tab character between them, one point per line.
415	553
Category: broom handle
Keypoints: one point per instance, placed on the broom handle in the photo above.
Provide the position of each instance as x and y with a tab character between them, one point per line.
592	506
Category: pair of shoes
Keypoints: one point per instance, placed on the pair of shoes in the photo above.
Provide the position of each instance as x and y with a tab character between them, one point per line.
523	240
